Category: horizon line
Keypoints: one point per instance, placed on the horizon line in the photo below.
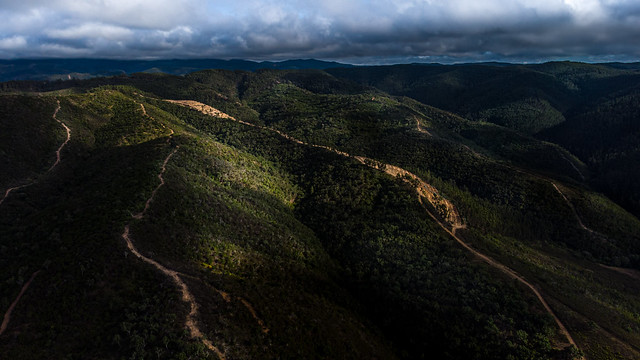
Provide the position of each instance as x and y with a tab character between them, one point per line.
335	61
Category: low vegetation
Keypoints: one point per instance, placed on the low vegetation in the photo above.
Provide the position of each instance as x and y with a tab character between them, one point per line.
294	251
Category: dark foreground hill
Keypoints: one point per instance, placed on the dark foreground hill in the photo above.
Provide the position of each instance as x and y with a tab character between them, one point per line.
291	214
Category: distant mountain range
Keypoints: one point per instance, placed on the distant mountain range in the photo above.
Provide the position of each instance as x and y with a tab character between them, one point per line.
65	69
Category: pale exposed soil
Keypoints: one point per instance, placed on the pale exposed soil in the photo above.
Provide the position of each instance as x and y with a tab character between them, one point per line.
187	297
65	142
190	322
443	206
420	128
425	190
144	110
511	274
205	109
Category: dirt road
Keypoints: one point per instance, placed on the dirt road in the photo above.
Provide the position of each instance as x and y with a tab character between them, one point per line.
9	190
58	158
190	322
141	214
7	315
573	209
424	190
55	113
419	126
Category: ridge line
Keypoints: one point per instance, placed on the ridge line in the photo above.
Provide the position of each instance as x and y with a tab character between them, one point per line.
455	222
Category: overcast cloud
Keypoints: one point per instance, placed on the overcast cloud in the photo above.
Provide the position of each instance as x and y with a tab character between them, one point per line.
356	31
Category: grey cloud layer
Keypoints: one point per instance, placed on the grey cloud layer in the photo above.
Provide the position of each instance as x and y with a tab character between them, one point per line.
336	29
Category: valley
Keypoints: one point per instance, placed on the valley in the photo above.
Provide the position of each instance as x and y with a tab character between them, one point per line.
308	214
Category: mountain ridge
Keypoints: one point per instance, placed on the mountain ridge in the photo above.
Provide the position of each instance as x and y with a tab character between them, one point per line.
66	69
335	255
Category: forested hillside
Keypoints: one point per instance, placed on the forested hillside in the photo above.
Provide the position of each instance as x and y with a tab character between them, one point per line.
285	214
589	109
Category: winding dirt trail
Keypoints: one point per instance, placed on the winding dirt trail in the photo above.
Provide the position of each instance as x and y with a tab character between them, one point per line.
420	128
564	197
523	171
141	214
58	158
572	165
191	320
7	315
65	142
425	191
9	190
555	186
444	207
228	299
253	313
144	110
573	209
628	272
507	271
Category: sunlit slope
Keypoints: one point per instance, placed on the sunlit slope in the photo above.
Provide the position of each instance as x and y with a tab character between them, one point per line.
589	109
499	199
528	98
374	227
294	246
224	220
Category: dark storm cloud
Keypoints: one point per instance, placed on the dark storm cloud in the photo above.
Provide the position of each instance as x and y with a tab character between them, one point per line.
361	31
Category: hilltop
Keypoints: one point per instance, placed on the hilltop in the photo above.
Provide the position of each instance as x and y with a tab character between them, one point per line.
400	212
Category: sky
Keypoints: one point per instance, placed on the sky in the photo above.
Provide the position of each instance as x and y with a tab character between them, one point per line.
356	31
